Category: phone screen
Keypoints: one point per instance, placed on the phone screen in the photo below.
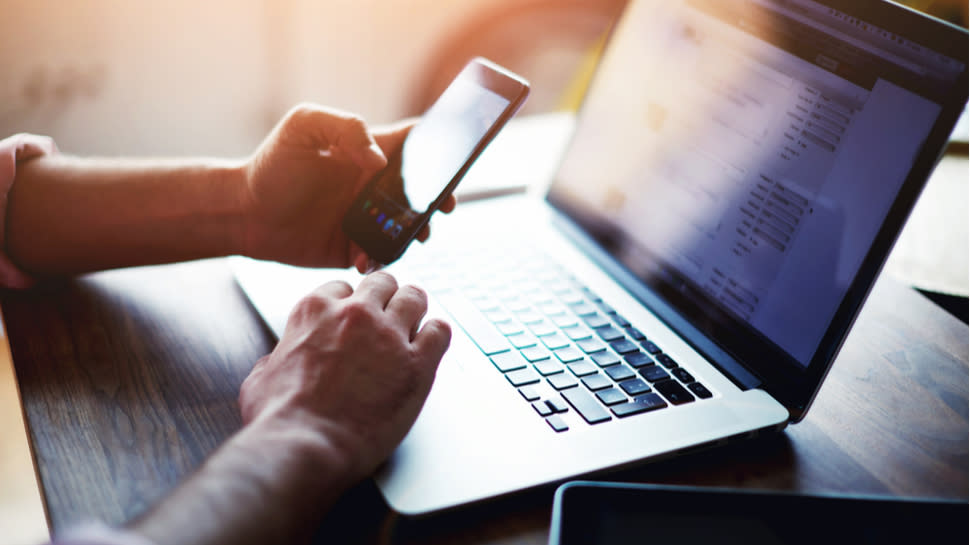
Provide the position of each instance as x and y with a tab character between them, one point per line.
434	151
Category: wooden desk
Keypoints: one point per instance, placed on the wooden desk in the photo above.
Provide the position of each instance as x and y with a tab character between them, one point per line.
129	380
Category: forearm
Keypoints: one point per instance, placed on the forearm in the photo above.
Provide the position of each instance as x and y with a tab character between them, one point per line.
265	485
69	215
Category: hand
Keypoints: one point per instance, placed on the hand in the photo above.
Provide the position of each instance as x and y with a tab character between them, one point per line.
351	366
321	412
304	177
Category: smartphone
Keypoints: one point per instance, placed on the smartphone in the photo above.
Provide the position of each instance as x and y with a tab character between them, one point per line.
391	210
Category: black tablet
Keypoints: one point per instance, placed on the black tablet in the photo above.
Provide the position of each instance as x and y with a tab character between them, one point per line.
591	513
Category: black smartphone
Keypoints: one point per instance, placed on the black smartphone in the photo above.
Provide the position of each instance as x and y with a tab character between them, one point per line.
601	513
391	210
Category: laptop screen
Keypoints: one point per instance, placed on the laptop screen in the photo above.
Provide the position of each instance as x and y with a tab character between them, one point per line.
740	157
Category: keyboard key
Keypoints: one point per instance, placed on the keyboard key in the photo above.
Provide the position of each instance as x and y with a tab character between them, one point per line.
535	353
569	354
557	423
682	375
597	382
564	320
543	328
517	304
561	381
650	347
577	332
586	405
638	359
666	361
635	386
605	359
635	334
654	373
583	309
624	346
557	405
590	345
510	327
485	303
549	367
542	408
554	341
620	320
596	320
521	377
571	296
611	396
649	402
559	285
619	373
496	316
488	339
609	333
508	361
522	340
552	308
583	368
529	317
603	306
699	390
674	392
530	393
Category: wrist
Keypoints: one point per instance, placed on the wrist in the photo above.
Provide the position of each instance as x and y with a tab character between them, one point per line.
234	187
266	484
312	455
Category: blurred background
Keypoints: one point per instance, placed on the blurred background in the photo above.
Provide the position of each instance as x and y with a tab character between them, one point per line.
184	77
210	78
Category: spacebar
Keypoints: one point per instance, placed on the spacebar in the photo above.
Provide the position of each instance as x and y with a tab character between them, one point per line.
586	405
488	339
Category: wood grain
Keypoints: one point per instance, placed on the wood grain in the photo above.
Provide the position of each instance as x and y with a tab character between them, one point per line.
129	380
130	377
23	517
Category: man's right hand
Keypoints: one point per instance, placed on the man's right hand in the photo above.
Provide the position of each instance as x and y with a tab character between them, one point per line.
321	412
352	366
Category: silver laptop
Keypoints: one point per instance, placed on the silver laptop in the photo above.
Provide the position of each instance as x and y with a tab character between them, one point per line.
737	176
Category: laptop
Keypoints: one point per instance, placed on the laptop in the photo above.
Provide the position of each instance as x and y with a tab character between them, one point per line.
737	176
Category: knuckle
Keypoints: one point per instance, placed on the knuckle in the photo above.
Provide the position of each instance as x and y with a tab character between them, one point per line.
416	293
442	330
310	305
303	109
336	288
354	121
357	313
299	112
385	277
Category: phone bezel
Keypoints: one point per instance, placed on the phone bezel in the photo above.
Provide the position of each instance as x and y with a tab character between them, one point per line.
582	510
359	226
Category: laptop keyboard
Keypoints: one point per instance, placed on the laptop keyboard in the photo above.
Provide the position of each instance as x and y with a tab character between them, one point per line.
558	343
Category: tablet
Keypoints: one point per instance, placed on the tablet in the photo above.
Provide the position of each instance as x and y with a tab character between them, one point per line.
591	513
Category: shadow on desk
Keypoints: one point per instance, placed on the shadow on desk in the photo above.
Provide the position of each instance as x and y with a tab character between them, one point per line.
957	306
362	516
